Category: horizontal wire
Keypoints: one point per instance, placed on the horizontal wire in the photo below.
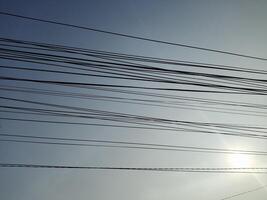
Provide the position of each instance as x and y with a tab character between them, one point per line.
140	145
254	170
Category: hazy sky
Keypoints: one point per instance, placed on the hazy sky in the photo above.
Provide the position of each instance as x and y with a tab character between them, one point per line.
238	26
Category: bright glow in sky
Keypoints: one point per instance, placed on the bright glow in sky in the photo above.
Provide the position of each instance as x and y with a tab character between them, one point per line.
240	160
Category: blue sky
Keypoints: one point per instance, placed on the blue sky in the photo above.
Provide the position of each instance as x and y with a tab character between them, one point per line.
237	26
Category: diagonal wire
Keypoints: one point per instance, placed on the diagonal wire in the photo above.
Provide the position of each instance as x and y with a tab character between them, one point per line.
131	36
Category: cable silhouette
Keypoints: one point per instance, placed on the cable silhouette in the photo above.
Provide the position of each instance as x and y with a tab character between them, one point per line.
246	192
122	144
131	36
255	170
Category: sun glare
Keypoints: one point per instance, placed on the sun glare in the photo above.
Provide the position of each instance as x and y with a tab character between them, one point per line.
239	160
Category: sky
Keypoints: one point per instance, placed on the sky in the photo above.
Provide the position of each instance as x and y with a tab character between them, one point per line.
237	26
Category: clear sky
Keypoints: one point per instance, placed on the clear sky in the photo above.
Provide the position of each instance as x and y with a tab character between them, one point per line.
238	26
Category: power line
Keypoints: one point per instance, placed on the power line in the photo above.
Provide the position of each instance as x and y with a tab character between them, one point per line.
128	72
163	124
120	114
124	144
246	192
255	170
173	130
128	66
159	101
125	115
122	56
237	90
73	84
131	36
146	102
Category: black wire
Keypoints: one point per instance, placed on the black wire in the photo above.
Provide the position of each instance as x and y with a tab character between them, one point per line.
119	114
132	36
142	102
123	144
74	84
158	169
195	83
200	129
177	97
228	78
105	54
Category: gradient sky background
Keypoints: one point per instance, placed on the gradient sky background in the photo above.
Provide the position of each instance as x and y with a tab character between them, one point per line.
238	26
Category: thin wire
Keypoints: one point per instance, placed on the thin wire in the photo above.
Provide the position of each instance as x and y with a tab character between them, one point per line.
106	54
246	192
134	145
177	105
132	36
